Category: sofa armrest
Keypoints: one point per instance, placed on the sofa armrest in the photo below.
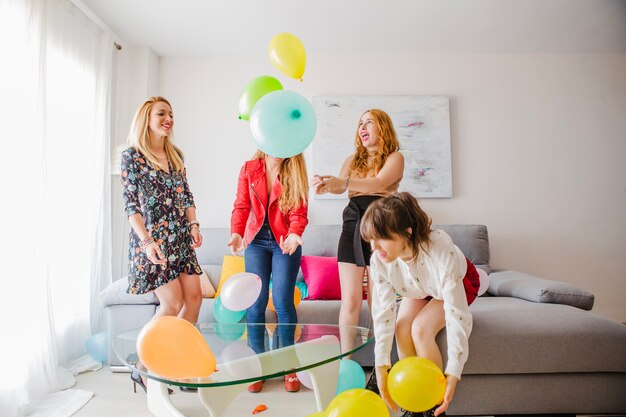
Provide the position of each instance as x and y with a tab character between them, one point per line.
527	287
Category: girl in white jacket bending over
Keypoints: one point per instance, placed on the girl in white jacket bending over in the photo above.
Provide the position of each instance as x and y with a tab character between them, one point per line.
437	284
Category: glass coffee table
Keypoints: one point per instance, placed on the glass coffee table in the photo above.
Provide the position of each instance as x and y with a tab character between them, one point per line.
316	349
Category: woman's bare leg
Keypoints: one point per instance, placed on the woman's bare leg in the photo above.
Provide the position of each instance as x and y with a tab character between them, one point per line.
192	297
407	312
427	324
351	280
170	298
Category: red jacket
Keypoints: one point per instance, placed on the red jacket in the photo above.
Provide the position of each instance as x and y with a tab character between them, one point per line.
251	204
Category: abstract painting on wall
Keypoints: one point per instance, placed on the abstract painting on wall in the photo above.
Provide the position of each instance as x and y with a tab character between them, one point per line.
422	124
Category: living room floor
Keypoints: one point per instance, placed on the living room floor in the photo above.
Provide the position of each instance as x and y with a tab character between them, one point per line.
113	396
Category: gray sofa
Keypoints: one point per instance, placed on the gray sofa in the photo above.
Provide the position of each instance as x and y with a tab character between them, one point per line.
534	349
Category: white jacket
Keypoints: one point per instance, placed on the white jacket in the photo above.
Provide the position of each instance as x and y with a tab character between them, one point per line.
438	271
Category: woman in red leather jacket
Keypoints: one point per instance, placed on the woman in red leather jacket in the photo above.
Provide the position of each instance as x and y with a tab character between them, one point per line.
268	219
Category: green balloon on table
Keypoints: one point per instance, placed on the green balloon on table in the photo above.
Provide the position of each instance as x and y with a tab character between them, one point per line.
357	402
283	123
224	315
253	92
416	384
351	376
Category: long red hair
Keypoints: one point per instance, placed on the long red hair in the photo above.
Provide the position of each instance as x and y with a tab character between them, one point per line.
387	144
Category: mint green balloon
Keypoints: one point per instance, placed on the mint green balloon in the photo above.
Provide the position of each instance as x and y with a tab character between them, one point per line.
283	123
351	376
253	92
224	315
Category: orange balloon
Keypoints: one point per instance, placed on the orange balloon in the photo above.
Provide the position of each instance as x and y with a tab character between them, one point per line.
297	297
174	348
271	328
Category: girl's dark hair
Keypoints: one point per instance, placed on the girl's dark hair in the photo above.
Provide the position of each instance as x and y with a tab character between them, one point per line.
392	216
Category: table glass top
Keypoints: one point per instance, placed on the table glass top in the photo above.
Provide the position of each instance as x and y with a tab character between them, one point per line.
247	352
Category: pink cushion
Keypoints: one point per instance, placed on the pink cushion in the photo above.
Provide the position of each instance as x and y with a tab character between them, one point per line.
321	274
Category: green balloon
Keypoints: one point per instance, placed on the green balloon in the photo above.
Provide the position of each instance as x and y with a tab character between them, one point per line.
256	89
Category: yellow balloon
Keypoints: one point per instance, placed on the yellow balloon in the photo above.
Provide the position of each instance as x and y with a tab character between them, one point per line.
416	384
174	348
318	414
357	402
288	55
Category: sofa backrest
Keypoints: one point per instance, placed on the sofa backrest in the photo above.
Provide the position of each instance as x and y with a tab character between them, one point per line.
321	240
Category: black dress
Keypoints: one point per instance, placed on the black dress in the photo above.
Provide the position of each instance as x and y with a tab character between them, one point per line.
161	198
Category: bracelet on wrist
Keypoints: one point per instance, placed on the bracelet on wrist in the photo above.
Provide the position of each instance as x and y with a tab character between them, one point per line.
146	241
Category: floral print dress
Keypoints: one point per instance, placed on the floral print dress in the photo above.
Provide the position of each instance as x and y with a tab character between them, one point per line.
161	198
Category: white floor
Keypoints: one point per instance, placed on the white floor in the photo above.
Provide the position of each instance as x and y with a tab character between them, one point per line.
113	396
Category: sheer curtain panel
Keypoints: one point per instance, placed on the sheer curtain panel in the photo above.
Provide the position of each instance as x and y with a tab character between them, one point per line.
55	83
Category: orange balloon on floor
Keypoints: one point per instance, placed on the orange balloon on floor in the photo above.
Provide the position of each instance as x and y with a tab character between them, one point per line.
172	347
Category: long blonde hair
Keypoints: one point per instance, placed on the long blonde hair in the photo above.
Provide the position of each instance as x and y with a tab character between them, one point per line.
294	180
387	144
139	137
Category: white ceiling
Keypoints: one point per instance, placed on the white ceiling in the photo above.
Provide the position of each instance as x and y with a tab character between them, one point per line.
210	27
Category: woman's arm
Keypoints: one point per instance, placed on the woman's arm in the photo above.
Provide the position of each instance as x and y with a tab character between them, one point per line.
389	174
384	323
194	228
152	248
318	182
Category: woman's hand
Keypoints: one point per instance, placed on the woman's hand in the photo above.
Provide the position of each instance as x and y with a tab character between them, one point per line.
451	382
236	243
290	244
328	184
381	379
196	237
154	254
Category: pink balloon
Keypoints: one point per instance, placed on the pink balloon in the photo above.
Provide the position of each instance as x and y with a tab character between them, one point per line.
240	291
484	281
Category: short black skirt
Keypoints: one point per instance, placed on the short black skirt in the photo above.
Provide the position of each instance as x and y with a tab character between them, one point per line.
352	249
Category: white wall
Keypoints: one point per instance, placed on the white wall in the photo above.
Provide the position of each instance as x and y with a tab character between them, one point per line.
136	78
538	148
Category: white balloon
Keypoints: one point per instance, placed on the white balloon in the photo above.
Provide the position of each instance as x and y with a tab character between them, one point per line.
305	379
240	291
239	360
484	281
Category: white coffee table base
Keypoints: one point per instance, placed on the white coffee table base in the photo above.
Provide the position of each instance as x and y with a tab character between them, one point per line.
216	399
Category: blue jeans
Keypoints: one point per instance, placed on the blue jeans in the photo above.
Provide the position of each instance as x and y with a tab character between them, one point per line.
264	258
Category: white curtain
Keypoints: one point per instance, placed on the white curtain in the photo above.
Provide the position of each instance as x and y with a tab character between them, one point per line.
55	83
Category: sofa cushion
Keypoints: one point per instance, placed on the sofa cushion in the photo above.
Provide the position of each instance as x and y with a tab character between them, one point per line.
115	294
511	336
230	266
321	275
214	272
208	290
473	241
539	290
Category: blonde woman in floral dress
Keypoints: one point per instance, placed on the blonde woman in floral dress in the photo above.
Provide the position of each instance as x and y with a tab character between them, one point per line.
162	214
